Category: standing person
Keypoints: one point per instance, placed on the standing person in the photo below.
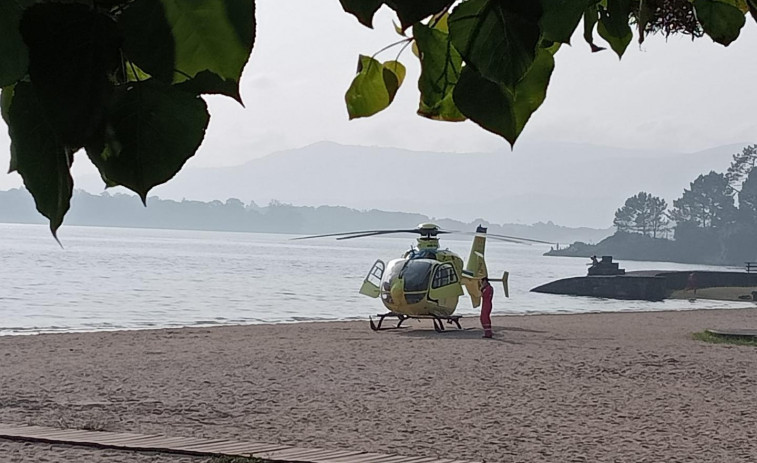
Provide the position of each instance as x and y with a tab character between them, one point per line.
691	282
487	294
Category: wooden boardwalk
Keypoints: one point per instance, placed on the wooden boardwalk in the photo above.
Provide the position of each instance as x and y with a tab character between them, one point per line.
201	447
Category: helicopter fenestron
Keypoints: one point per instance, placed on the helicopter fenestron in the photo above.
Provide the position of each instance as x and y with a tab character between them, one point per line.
427	281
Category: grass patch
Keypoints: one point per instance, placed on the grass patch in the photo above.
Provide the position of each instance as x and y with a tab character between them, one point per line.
706	336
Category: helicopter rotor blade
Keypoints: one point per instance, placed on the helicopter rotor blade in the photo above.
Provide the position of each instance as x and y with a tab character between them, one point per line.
387	232
375	233
360	234
516	239
506	240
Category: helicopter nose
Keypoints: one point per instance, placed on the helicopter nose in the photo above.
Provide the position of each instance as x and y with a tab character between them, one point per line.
396	291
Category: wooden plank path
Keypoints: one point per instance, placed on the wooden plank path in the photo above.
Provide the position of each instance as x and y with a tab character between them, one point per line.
201	447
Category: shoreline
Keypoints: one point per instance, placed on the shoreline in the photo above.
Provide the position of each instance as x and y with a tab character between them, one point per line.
603	387
472	316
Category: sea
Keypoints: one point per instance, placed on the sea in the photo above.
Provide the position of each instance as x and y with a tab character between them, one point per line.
101	279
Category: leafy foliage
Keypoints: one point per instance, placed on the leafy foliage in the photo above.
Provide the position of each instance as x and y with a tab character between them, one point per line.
613	25
121	78
96	69
722	20
38	154
497	39
155	129
501	44
374	87
440	70
499	108
14	59
666	17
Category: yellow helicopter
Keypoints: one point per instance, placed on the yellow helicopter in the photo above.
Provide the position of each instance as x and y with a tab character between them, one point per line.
427	282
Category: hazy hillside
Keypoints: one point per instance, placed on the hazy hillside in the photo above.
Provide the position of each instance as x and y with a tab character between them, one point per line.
121	210
573	185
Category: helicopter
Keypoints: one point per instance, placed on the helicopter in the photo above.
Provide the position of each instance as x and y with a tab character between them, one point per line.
427	281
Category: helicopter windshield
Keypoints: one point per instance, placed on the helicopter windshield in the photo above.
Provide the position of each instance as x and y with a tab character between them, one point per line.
393	271
416	275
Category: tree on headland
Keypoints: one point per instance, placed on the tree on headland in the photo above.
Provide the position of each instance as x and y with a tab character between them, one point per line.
741	165
708	203
642	213
709	227
748	199
123	80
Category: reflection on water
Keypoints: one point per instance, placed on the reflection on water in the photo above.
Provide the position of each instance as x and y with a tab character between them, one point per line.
111	278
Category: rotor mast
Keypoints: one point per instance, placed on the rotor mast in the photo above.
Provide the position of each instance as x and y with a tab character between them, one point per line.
428	236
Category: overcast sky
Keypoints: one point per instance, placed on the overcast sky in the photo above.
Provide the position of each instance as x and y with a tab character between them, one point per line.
677	96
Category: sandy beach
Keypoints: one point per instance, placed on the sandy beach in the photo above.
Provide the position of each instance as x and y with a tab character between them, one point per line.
615	387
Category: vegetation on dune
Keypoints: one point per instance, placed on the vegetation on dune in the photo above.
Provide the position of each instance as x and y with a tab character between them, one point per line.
706	336
122	80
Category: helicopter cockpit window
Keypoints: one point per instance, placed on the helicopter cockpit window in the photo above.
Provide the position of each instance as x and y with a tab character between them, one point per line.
416	274
395	267
445	275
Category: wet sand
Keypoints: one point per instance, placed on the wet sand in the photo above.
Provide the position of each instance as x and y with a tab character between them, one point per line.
616	387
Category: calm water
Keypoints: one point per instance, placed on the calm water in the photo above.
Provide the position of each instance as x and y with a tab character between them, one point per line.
110	278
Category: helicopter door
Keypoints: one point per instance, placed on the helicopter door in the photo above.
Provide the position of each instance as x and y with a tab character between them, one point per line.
445	287
371	283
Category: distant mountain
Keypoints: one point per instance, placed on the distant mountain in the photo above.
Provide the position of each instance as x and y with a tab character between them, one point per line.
571	184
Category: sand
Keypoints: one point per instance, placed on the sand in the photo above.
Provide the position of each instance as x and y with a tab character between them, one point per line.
617	387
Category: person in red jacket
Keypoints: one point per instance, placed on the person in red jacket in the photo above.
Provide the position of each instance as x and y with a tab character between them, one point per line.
487	294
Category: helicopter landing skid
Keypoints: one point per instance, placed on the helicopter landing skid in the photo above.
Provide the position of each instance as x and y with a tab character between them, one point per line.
438	321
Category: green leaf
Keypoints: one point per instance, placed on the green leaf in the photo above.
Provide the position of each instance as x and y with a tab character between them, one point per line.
497	38
645	16
752	6
39	156
394	75
561	18
14	57
500	109
211	35
148	40
207	82
720	19
440	69
591	17
134	73
367	94
6	99
363	10
73	51
613	25
155	129
413	11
